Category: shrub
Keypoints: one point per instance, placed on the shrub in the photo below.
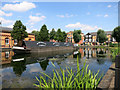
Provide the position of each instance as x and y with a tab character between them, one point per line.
67	78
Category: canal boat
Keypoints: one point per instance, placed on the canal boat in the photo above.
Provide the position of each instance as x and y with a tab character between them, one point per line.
20	50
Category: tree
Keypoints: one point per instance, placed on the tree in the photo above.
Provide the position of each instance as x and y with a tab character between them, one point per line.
37	36
116	35
52	34
101	36
64	35
44	35
19	32
58	35
77	36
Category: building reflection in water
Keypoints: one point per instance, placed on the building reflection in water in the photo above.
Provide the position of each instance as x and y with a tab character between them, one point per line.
44	64
6	56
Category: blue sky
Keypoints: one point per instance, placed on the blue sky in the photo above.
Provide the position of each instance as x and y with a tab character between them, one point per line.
86	16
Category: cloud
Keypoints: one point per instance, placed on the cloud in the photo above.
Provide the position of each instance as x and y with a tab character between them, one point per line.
66	15
4	21
81	26
88	13
106	15
37	14
21	7
5	14
35	19
109	6
98	15
10	26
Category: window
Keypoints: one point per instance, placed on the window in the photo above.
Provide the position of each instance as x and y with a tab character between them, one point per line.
15	41
6	55
6	40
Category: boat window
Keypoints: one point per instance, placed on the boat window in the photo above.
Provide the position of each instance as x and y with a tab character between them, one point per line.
41	44
56	44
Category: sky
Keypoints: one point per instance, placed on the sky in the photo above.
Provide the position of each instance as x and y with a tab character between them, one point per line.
68	16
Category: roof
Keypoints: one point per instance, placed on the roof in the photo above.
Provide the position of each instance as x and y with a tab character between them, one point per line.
6	29
95	33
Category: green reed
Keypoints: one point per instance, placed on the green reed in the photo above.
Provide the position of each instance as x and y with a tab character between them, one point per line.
67	78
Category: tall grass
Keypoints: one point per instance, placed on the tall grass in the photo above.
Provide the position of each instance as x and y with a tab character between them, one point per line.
67	78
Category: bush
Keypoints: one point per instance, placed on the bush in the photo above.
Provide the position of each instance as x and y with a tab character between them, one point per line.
113	45
67	78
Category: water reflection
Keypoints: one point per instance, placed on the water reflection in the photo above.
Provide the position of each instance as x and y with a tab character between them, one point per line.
30	65
19	67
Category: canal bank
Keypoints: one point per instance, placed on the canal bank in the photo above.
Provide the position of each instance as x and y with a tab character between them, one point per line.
111	80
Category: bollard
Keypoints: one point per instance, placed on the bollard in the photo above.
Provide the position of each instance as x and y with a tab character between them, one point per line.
117	61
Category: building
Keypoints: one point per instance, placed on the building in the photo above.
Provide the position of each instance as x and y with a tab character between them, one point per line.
7	41
91	38
70	38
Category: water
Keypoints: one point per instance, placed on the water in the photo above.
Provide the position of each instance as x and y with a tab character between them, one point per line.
19	71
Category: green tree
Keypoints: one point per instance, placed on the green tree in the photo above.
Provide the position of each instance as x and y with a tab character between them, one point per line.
19	32
77	36
116	35
101	36
64	35
52	34
37	36
58	35
44	35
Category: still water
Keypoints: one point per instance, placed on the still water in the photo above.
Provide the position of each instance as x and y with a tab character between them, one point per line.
19	71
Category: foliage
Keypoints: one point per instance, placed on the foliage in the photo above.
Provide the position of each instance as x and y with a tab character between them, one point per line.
64	35
60	36
113	44
67	78
52	34
114	53
116	34
101	36
77	36
19	32
44	35
37	36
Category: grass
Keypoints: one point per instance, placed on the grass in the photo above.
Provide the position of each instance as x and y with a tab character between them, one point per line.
67	78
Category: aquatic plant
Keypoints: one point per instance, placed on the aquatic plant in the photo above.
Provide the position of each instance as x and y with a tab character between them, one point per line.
67	78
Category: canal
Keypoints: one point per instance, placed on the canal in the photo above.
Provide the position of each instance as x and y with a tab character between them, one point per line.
19	71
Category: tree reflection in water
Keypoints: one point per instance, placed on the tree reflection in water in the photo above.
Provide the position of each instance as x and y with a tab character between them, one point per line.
19	67
44	64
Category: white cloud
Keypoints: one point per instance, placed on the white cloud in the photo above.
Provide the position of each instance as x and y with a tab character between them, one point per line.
98	15
66	15
4	21
38	14
5	14
16	1
21	7
35	19
106	15
81	26
109	6
88	13
10	26
62	16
